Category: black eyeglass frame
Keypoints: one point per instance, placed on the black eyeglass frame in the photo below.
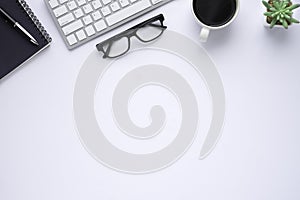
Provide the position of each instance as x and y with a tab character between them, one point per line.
129	33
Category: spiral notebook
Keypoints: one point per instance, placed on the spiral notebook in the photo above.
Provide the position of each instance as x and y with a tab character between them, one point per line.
15	49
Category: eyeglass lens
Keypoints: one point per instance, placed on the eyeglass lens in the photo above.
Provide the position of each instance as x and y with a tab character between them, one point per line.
150	31
117	47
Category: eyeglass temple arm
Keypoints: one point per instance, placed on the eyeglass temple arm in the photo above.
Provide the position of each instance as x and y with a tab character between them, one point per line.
159	17
156	25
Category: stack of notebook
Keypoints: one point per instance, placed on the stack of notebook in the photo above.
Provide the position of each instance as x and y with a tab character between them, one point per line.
15	47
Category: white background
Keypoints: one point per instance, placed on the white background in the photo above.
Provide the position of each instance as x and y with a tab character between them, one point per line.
41	156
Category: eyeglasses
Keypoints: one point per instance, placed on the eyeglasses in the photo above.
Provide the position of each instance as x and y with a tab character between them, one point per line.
119	44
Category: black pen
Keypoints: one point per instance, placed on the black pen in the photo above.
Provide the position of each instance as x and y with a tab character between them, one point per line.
17	25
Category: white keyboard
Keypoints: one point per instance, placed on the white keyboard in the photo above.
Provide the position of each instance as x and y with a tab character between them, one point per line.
82	20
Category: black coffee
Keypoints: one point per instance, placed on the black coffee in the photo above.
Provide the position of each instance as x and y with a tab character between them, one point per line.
214	12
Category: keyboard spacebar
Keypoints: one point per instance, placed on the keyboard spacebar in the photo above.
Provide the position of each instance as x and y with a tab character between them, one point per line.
127	12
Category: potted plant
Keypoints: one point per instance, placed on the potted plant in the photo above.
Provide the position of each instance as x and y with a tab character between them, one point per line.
279	12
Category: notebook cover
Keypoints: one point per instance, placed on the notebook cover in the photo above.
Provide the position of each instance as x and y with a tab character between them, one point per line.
15	47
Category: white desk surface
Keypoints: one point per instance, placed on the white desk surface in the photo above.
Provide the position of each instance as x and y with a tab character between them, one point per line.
41	156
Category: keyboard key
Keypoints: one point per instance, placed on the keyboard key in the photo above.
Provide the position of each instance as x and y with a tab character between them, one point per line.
78	13
106	1
100	25
72	39
60	11
115	6
90	30
96	4
71	5
74	26
96	15
81	2
127	12
105	11
53	3
87	8
66	19
87	20
124	3
80	35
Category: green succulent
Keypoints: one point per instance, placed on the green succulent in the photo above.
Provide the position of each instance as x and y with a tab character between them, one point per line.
280	12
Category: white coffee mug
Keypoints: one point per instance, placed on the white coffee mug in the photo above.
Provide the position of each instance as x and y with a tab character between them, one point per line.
204	33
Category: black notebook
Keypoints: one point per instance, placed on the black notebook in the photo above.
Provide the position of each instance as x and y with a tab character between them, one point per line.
15	48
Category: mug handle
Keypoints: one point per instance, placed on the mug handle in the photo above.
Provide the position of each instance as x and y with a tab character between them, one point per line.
204	34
